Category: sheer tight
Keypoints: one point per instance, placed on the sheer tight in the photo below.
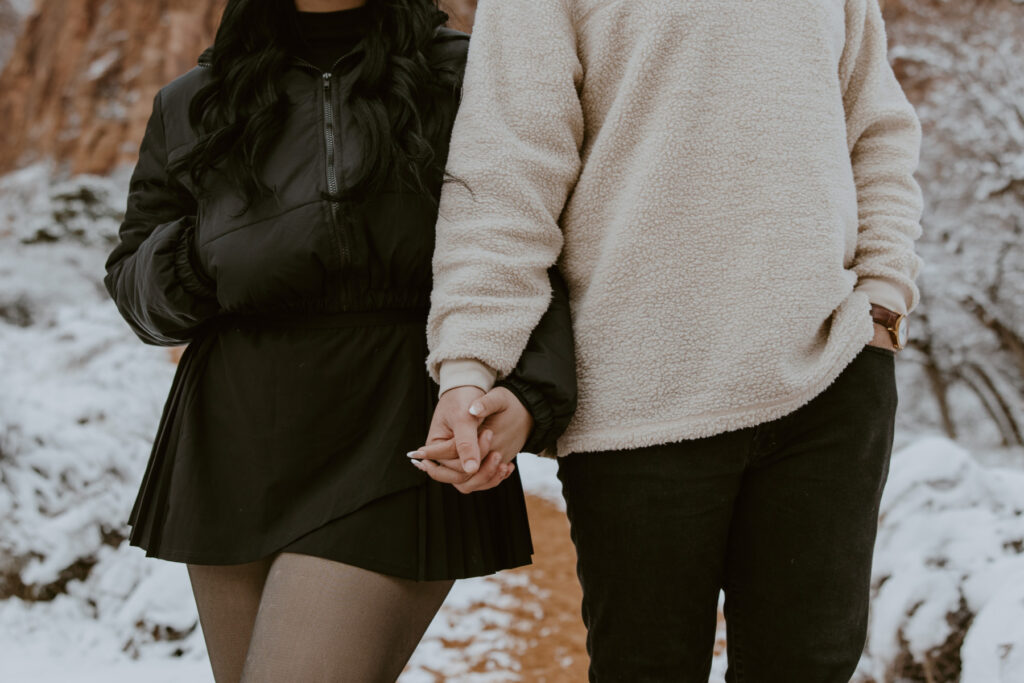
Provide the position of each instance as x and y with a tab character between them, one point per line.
228	598
310	620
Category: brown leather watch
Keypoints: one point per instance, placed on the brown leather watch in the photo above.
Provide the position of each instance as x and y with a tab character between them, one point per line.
895	323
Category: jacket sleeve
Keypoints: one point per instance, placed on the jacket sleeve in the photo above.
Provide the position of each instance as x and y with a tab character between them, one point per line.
544	379
884	139
152	273
514	158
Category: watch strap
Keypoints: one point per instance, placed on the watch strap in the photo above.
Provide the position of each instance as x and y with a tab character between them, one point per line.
883	316
893	322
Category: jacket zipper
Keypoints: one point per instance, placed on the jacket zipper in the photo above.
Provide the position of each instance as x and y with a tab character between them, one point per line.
332	171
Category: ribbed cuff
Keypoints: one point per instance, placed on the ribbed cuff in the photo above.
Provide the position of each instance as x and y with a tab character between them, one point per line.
187	270
466	372
540	410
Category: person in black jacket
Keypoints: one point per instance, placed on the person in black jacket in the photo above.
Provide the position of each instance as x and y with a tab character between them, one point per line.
280	222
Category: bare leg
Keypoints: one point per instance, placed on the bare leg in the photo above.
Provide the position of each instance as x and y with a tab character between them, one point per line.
321	621
228	598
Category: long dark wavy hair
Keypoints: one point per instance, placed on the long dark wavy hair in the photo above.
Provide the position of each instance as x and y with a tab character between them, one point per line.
239	114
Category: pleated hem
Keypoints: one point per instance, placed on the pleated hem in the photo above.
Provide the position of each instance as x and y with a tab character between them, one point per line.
441	535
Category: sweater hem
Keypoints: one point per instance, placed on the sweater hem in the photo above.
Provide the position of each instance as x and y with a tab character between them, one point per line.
642	435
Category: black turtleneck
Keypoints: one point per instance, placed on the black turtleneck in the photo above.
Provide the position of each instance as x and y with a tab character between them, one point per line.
328	36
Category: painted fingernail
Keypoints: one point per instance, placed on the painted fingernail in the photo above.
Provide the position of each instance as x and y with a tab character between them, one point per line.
471	466
417	464
476	409
415	454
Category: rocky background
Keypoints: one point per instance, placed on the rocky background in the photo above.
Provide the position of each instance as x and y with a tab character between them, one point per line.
79	85
77	79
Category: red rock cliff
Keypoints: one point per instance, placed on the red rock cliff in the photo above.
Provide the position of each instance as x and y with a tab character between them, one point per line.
80	82
79	85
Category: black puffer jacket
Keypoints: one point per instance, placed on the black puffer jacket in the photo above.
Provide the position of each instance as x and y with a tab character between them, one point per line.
186	258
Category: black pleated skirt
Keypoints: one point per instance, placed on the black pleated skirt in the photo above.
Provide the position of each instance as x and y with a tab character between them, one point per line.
289	433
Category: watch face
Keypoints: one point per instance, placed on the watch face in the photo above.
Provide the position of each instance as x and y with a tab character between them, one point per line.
901	332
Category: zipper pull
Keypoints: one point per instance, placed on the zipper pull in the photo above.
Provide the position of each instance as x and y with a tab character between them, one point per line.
327	79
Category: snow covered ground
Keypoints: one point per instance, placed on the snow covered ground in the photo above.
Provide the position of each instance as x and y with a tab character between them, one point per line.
79	402
948	561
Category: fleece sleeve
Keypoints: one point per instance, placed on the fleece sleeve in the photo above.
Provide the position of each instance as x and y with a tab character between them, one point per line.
884	138
151	274
514	157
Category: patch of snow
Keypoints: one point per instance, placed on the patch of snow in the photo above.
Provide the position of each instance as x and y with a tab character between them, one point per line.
994	647
101	65
950	552
540	478
22	7
478	614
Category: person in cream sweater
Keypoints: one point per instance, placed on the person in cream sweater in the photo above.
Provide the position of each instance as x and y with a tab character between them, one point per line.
727	187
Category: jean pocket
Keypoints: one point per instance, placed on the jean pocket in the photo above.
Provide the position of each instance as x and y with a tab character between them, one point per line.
883	376
879	350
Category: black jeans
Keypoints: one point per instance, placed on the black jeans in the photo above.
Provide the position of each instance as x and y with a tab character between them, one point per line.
781	516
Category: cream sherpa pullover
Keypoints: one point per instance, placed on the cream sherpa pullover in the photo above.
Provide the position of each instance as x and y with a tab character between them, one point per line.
728	183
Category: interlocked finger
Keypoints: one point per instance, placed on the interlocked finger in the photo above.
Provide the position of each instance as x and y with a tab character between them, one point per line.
490	475
440	473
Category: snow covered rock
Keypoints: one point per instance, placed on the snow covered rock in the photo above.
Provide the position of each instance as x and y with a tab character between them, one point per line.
79	402
87	209
948	579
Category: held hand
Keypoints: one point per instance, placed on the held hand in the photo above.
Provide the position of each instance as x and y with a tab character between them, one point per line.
499	411
491	473
453	430
509	419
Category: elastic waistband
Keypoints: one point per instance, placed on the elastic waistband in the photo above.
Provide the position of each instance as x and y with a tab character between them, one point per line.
329	320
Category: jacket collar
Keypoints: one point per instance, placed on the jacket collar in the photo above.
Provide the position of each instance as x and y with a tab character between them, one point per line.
206	58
